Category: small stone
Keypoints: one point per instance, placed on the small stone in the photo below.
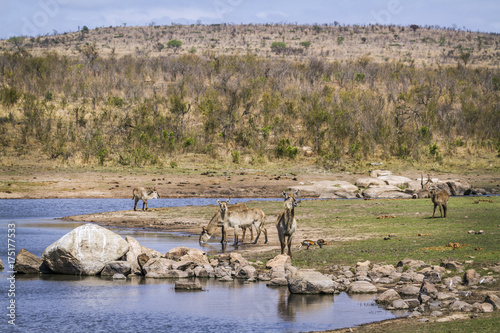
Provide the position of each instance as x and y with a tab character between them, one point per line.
119	276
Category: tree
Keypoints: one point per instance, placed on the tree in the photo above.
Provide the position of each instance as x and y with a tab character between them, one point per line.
414	27
465	57
278	47
18	42
159	47
89	51
305	44
174	44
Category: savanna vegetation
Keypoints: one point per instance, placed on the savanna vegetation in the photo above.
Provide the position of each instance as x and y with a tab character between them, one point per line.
72	99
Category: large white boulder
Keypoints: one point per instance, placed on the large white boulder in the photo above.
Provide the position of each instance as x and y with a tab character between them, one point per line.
85	250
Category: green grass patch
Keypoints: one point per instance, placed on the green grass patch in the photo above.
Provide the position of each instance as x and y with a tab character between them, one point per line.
359	230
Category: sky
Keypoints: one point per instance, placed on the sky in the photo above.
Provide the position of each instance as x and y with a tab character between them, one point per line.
42	17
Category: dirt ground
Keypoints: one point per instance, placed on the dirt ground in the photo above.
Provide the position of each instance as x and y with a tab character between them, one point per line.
31	183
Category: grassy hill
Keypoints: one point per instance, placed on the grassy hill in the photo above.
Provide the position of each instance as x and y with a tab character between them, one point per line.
328	96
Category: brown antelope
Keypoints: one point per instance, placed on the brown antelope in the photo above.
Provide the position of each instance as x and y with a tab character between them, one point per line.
440	199
240	219
144	194
216	222
287	224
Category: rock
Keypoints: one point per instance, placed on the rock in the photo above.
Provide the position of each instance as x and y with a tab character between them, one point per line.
458	188
119	276
363	266
183	253
277	282
368	181
433	276
471	277
482	307
197	257
220	272
28	263
203	271
361	287
306	281
142	259
247	272
487	280
279	260
394	180
136	249
414	314
409	290
187	285
452	282
413	303
415	264
385	192
1	265
182	265
226	278
446	296
377	272
330	189
157	266
451	264
170	274
461	306
116	267
237	261
380	173
428	289
387	297
436	313
399	304
493	300
85	250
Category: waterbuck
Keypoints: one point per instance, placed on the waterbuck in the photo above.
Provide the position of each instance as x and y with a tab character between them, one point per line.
239	219
424	191
216	221
287	224
439	199
144	194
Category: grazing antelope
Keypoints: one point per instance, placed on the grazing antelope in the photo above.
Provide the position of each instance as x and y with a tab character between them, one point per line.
439	199
216	221
144	194
240	219
287	224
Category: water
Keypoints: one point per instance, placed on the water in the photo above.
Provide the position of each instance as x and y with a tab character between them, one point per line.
82	304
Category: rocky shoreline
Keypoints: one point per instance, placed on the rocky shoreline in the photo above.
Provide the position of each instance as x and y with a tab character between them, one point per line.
425	291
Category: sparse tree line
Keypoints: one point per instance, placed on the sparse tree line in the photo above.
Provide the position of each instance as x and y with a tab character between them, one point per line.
136	110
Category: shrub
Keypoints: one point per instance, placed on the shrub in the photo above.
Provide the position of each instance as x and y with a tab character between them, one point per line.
278	47
236	157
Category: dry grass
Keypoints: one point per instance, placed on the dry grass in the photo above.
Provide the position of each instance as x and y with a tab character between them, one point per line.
425	46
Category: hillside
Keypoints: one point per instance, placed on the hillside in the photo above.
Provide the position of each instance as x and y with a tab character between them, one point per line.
332	97
421	45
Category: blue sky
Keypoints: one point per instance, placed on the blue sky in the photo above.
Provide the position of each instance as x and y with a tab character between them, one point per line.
40	17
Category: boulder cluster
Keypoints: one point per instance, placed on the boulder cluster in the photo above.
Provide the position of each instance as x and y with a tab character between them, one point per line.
382	184
412	285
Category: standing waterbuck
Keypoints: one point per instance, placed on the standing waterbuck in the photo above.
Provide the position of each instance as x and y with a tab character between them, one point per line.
439	199
144	194
240	219
287	224
216	221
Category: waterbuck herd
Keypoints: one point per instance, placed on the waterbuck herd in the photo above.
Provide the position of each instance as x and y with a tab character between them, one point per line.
239	216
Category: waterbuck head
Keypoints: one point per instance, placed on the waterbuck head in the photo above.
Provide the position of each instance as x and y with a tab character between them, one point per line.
153	193
291	199
223	206
204	236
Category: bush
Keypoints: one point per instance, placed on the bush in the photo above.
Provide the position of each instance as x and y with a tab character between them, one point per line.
236	157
